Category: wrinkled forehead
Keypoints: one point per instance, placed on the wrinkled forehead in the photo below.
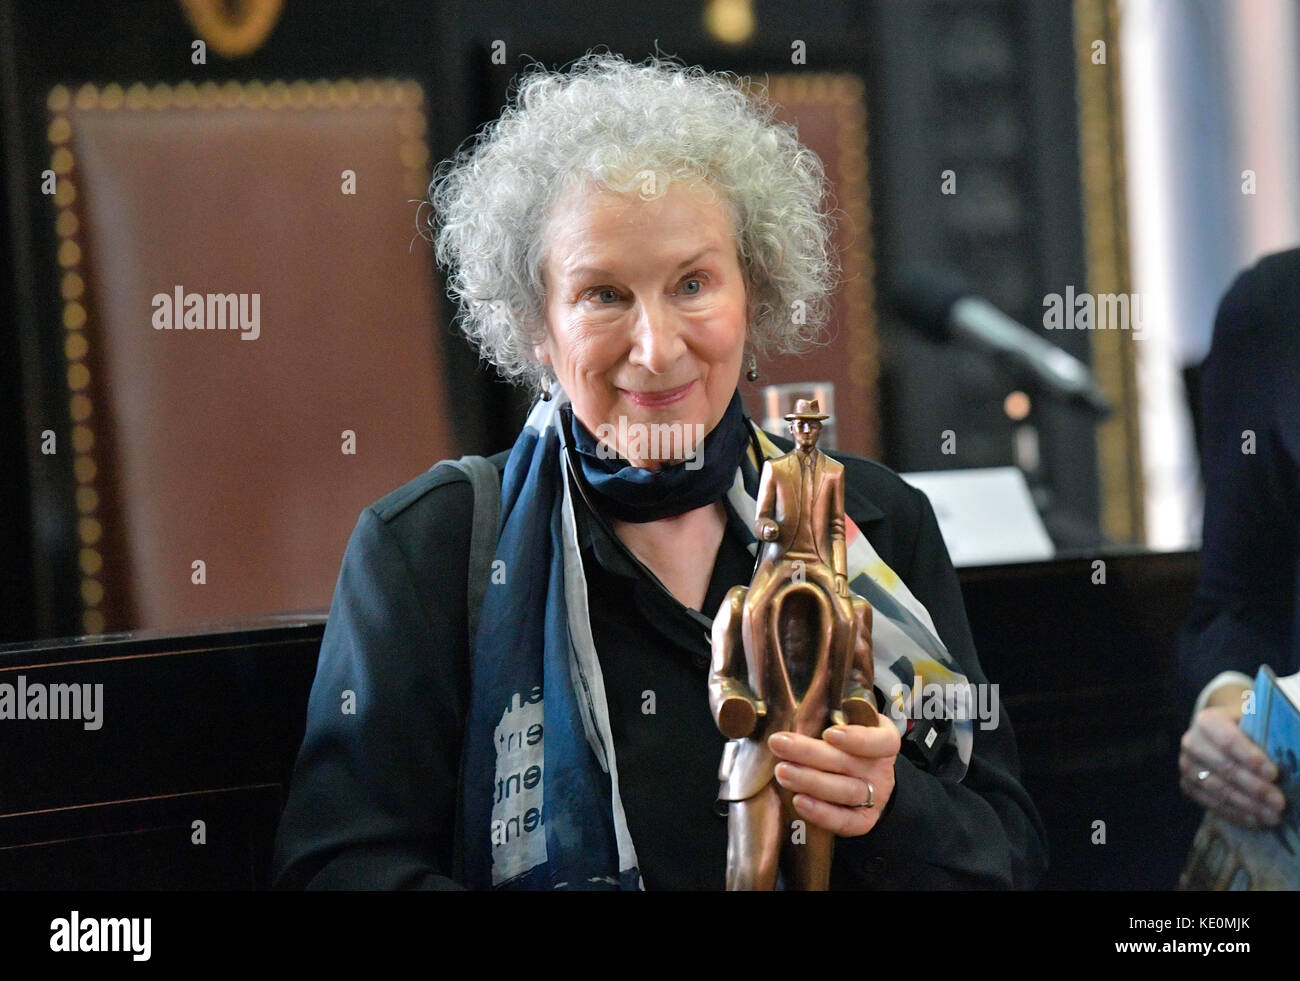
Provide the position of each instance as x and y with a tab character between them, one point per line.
593	225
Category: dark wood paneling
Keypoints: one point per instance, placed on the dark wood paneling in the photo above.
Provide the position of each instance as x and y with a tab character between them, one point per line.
199	728
1088	678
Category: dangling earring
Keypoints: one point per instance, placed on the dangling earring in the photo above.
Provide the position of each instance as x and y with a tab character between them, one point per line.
752	373
546	390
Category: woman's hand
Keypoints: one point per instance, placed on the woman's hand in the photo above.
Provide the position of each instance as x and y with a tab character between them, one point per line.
1223	770
829	776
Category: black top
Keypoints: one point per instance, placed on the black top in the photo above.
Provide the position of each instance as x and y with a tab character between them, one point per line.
654	655
373	799
1245	612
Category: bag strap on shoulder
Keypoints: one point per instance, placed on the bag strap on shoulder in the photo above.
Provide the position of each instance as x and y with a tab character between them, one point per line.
486	483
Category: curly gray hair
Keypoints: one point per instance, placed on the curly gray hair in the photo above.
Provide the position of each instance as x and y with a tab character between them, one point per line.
613	122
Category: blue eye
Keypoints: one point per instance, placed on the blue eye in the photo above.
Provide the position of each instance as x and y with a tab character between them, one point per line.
696	278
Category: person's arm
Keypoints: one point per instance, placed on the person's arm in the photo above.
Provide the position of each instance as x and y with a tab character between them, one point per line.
1242	613
1243	609
983	832
372	804
1225	690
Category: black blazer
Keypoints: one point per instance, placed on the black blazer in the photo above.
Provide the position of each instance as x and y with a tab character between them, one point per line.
373	802
1245	612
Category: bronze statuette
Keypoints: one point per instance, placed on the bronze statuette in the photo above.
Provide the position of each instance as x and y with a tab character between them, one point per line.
792	652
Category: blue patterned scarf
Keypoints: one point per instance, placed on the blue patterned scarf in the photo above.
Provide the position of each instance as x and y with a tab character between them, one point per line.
542	808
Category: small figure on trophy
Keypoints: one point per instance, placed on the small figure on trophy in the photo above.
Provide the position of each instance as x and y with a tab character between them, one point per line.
791	652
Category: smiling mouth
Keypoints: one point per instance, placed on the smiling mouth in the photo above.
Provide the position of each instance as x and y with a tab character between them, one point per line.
657	400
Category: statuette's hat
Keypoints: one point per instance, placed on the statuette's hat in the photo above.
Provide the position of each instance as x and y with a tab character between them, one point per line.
806	409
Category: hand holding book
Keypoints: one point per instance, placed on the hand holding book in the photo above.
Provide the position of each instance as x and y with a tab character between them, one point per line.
1241	760
1224	771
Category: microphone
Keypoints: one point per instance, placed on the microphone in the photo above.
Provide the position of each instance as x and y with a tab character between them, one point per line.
938	303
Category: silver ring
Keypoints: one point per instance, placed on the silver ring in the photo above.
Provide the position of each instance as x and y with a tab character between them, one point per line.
1201	775
871	796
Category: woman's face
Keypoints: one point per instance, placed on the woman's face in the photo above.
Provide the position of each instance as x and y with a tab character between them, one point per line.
646	312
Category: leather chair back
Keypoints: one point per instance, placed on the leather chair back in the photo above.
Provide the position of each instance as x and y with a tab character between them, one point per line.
227	446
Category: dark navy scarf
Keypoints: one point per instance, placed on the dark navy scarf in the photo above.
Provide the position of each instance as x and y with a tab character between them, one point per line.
620	490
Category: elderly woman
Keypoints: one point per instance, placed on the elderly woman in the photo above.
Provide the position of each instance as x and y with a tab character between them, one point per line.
625	240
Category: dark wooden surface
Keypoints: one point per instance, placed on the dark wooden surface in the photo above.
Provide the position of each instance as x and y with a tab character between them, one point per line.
1086	673
197	728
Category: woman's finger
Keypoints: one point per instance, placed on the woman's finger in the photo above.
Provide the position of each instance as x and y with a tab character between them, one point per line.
847	822
1216	738
1226	771
1235	793
1223	802
837	754
1232	802
866	742
833	788
808	751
